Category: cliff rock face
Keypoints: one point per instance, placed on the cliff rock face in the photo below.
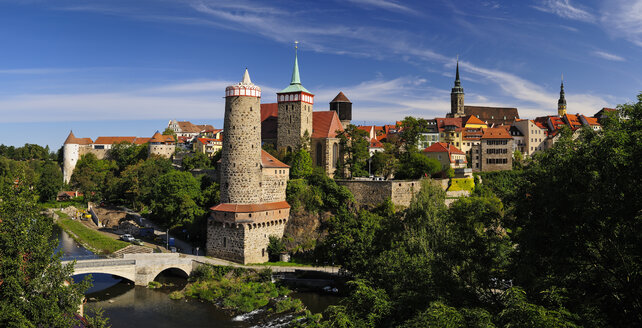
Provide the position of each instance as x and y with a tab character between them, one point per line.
304	230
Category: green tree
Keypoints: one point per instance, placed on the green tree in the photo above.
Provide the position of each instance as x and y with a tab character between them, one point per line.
411	128
579	220
276	246
197	160
175	199
354	143
135	185
50	181
384	163
414	165
301	164
33	282
92	175
125	154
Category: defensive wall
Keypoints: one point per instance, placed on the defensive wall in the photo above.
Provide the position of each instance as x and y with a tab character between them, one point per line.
371	193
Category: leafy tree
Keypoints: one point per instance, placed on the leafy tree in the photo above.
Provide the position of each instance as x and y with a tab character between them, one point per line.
518	160
50	181
384	163
354	143
276	246
135	185
414	165
175	199
125	154
92	175
301	164
411	127
33	282
197	160
579	222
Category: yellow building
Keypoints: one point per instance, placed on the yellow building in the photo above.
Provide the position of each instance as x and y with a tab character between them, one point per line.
208	146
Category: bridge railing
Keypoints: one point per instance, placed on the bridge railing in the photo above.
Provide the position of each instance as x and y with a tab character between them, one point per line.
102	263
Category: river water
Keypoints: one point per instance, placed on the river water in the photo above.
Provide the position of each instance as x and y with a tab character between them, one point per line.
127	305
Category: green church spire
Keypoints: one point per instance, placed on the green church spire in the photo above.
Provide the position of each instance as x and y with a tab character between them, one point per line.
296	79
295	83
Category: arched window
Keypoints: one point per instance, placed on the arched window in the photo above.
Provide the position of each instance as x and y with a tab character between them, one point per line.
224	242
335	154
319	152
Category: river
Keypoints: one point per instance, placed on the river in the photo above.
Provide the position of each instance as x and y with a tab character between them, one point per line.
127	305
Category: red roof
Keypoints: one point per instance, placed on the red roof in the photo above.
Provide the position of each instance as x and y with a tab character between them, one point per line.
208	140
449	121
140	141
325	124
591	120
157	137
250	208
443	147
113	140
340	98
374	143
496	133
268	160
268	110
71	139
472	119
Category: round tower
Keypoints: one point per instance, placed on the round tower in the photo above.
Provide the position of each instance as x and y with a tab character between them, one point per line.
241	154
70	156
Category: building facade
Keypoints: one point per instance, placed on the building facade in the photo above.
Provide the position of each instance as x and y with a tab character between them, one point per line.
495	151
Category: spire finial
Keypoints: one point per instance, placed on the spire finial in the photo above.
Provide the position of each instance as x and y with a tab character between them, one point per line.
295	72
246	77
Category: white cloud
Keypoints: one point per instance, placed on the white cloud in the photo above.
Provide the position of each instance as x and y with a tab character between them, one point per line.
608	56
565	9
623	18
384	4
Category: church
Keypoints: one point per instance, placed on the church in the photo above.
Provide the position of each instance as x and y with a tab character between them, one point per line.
285	123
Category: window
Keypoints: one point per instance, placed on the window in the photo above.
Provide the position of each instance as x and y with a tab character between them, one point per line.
224	242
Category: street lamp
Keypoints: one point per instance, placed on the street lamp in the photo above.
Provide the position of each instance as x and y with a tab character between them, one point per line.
167	237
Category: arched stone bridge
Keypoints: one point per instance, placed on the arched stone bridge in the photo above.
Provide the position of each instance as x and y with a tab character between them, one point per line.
139	268
143	268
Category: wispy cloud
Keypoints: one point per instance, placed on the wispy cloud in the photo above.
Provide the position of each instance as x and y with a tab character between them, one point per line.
384	4
623	19
36	71
565	9
608	56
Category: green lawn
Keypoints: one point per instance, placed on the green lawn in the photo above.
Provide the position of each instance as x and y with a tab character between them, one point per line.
92	238
457	184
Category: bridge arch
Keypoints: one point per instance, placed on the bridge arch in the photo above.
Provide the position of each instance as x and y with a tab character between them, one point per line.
174	271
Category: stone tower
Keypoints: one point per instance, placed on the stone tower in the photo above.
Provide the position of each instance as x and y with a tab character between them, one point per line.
343	106
561	103
457	97
241	154
295	111
70	151
253	184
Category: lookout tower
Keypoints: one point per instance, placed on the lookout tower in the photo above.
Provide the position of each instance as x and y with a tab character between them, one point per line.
253	183
295	111
457	97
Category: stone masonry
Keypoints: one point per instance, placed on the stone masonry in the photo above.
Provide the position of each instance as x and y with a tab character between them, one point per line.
371	193
294	119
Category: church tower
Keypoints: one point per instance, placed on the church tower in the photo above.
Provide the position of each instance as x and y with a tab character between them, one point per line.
295	111
561	103
457	97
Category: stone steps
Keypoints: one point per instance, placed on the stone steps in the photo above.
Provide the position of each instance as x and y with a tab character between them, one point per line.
132	249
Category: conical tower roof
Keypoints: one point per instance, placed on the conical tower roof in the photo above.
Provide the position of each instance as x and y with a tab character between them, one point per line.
295	82
340	98
562	100
71	138
157	137
457	88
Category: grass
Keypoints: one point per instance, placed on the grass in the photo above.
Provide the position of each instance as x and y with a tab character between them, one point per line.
457	184
91	238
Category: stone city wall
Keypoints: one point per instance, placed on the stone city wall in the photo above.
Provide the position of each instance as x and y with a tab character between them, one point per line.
371	193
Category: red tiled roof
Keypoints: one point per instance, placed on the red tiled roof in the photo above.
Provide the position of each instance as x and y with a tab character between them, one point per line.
340	98
443	147
208	140
141	141
496	133
268	160
591	120
113	140
157	137
250	208
445	121
268	110
71	139
472	119
374	143
325	124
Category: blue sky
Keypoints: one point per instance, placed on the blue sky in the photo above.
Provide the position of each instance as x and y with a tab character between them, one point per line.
111	67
